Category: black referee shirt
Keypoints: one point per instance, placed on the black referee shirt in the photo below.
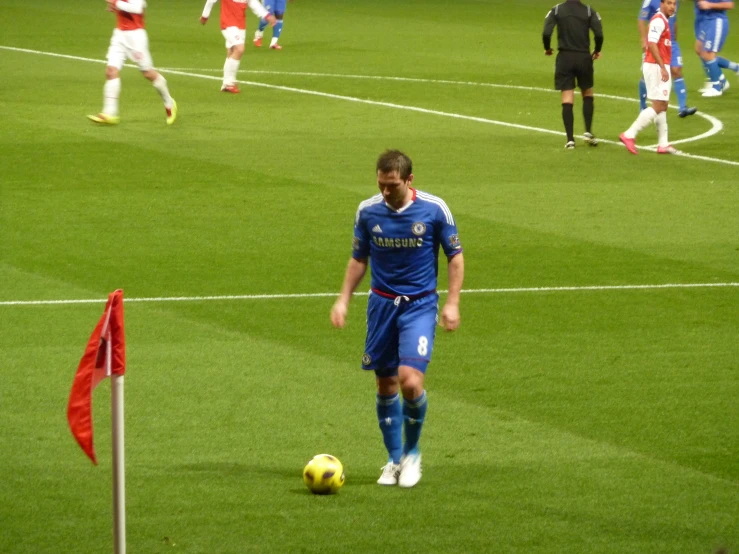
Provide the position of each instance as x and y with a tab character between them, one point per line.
573	20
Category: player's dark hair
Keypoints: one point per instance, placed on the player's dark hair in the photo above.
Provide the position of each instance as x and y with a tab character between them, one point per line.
395	160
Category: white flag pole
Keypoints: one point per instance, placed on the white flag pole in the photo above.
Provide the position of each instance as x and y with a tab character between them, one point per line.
119	467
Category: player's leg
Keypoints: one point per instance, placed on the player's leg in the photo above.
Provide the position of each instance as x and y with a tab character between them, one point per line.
652	78
723	63
112	88
663	144
568	116
699	50
417	330
381	355
160	84
681	91
712	39
564	81
137	46
642	90
279	10
586	81
259	33
235	38
642	94
588	109
390	420
414	414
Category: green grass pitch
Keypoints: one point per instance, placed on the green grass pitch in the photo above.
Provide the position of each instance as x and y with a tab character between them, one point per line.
599	420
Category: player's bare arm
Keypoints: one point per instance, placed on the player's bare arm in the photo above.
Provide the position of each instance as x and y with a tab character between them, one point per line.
643	31
355	272
259	10
450	317
703	5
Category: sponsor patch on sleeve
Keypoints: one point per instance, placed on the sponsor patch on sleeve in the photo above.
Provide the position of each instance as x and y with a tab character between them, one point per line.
454	242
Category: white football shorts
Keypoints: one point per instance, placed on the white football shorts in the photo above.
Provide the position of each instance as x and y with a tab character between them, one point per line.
132	45
657	89
234	36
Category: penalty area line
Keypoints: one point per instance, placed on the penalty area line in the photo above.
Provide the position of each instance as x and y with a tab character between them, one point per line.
159	299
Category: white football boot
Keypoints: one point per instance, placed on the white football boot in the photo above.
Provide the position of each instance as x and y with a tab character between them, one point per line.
390	473
410	470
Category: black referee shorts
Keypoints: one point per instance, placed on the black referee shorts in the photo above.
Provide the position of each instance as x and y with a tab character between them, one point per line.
571	67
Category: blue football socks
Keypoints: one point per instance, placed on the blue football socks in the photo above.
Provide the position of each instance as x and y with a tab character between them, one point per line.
414	412
277	29
262	25
389	416
682	93
714	73
642	95
723	63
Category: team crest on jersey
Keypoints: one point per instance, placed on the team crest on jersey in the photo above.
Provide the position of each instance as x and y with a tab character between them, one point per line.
418	228
355	243
454	241
366	360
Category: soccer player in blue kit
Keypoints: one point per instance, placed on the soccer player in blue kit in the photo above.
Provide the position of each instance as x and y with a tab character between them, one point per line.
401	230
711	29
648	9
277	9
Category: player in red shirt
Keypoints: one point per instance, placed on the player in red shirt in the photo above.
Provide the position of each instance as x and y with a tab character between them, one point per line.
233	28
130	41
658	80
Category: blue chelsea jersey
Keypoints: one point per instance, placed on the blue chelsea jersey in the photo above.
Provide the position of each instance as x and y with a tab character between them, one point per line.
651	7
403	245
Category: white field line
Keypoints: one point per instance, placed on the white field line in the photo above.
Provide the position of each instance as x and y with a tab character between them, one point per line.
716	124
334	294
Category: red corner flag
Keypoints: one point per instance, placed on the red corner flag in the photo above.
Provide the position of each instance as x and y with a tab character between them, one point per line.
104	356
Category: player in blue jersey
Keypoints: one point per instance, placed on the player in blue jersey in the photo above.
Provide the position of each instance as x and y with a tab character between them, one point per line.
401	230
276	8
711	29
648	9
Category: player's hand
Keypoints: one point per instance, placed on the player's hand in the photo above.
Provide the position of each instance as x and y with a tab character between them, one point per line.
450	317
596	55
665	74
703	5
271	19
338	314
110	5
548	52
203	20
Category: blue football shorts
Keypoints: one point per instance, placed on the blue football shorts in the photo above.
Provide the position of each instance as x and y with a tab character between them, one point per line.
712	33
275	6
399	332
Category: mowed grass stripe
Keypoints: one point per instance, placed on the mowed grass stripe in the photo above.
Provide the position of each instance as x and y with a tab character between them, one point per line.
717	125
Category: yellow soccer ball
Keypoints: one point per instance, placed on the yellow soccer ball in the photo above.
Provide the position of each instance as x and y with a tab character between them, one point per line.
324	474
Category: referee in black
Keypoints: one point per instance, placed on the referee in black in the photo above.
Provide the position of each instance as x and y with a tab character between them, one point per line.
574	20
